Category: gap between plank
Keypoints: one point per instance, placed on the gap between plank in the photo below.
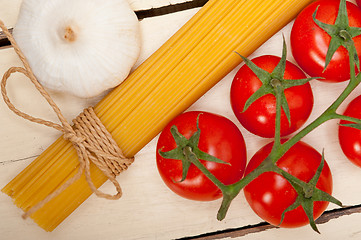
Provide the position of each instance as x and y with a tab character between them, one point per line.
141	14
263	226
17	160
172	8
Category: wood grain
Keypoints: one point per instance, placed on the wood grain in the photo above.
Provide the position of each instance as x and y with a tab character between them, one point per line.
141	14
148	210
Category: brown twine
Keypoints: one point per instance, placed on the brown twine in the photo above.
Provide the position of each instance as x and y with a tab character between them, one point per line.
88	135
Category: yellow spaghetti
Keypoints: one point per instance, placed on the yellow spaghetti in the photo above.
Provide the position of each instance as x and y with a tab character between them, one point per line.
192	61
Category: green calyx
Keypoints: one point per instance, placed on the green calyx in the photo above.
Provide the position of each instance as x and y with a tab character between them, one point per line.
308	193
341	34
273	83
356	122
187	150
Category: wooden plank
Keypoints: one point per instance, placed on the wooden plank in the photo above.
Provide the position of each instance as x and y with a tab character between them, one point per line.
9	9
260	228
148	210
347	227
143	9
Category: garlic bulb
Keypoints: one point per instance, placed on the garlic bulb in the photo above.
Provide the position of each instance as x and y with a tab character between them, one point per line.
82	47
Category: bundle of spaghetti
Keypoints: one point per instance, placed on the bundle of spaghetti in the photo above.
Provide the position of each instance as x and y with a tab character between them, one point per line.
192	61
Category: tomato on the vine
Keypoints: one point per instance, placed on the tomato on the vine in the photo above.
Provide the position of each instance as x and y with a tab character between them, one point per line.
260	116
270	194
218	137
349	137
310	43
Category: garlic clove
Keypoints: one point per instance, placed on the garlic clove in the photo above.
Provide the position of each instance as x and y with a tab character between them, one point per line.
81	47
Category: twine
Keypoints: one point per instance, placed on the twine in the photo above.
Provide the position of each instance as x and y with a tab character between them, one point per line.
88	135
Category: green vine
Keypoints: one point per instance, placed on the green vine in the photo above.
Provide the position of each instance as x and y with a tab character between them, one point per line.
274	83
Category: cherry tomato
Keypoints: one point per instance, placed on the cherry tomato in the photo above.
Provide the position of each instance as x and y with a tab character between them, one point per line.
350	138
309	43
260	116
270	194
220	138
358	2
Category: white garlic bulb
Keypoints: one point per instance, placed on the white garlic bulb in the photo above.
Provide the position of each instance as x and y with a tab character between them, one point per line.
82	47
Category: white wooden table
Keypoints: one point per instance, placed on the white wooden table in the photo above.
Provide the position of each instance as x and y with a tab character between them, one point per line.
148	210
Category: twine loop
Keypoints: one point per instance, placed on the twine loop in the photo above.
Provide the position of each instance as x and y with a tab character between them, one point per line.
74	138
88	135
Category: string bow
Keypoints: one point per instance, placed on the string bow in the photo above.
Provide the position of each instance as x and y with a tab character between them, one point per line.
88	135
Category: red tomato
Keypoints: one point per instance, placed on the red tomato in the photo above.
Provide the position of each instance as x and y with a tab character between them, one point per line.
358	2
350	138
220	138
270	194
309	43
259	118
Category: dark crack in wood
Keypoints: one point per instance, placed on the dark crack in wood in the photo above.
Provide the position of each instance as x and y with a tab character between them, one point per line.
4	42
141	14
263	226
153	12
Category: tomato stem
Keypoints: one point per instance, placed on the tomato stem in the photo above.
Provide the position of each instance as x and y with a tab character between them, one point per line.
307	191
231	191
347	118
277	139
345	35
328	114
192	157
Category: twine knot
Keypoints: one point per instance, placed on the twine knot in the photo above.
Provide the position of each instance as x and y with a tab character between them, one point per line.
74	138
88	135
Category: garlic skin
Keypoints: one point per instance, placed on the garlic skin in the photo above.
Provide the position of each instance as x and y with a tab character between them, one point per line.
81	47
